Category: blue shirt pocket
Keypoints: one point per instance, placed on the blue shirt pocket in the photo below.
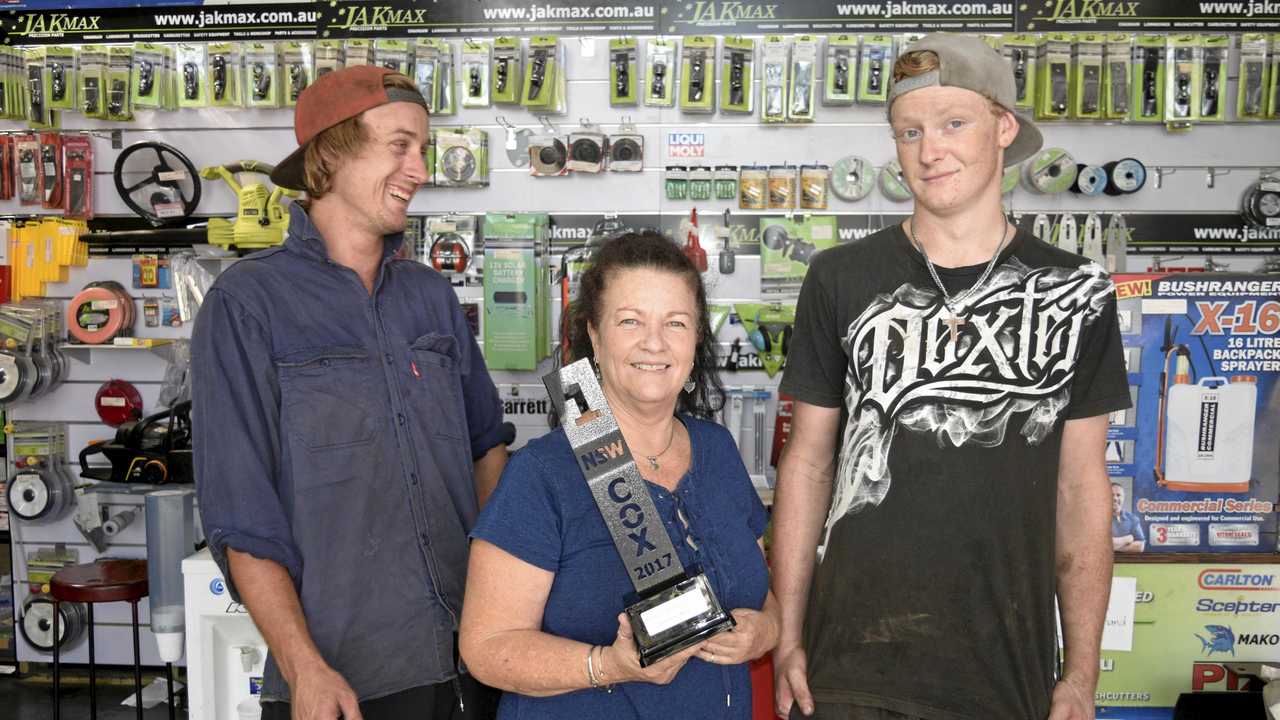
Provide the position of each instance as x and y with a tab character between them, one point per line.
435	390
326	398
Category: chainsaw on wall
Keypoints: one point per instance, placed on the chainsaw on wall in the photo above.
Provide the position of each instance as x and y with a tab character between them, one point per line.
261	219
155	450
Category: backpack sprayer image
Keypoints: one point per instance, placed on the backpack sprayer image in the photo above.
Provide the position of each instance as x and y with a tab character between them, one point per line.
1204	434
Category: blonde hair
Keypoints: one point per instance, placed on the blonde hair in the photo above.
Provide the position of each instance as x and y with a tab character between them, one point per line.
327	150
919	62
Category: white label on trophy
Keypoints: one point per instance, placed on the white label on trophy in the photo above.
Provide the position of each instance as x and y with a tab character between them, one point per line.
674	611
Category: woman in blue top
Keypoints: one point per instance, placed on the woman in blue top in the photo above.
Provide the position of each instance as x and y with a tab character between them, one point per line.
542	617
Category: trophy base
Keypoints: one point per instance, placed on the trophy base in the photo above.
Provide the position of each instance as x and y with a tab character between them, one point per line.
676	617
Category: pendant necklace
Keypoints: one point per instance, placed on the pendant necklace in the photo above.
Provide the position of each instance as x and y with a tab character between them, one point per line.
653	459
954	321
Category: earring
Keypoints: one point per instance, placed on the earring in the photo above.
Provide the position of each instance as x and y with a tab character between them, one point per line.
689	385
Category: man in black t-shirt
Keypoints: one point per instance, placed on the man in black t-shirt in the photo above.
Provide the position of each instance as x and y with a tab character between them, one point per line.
967	370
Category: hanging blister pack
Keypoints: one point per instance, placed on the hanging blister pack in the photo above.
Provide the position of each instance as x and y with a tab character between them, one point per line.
588	148
726	182
813	186
261	75
192	71
462	157
38	112
841	68
393	54
1055	84
1148	79
626	149
6	168
737	75
1183	76
92	79
507	67
544	83
26	149
60	74
1254	73
804	78
77	175
1086	101
698	74
660	79
1273	93
773	90
426	71
51	170
753	187
1213	83
148	74
1116	71
357	51
328	56
623	64
223	79
700	183
675	182
1020	51
119	72
875	70
296	57
548	155
477	56
447	80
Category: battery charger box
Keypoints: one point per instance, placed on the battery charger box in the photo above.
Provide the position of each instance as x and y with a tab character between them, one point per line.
1196	458
516	324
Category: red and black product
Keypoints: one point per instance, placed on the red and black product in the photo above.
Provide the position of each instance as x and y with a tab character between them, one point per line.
51	171
117	403
77	173
6	167
155	450
26	169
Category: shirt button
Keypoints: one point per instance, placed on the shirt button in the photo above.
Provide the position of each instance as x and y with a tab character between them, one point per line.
388	357
426	540
324	363
400	418
413	478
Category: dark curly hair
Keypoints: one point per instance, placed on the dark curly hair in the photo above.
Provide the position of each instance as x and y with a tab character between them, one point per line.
649	250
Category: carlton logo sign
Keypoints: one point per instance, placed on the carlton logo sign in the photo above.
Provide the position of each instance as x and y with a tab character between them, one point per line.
1236	579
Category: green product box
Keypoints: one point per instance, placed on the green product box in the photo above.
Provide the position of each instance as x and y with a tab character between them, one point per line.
1147	103
544	83
93	81
788	244
804	78
660	80
698	74
773	83
262	75
737	75
60	77
623	64
1251	100
1184	74
1213	83
223	78
516	326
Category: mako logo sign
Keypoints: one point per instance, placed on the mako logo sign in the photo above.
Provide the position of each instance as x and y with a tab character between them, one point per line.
379	16
57	24
1236	579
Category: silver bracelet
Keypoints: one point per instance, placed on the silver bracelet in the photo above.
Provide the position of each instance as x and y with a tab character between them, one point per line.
591	671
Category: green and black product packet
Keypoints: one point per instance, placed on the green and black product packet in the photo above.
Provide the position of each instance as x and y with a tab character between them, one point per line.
1117	72
192	64
624	63
358	51
875	70
1020	50
93	81
1254	74
477	59
838	87
119	73
223	78
737	75
60	77
1184	72
1088	89
261	75
328	56
1213	84
1055	82
660	76
1273	95
297	59
544	79
773	87
698	74
1147	104
804	78
508	69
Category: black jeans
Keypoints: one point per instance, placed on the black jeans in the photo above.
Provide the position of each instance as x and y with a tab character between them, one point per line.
429	702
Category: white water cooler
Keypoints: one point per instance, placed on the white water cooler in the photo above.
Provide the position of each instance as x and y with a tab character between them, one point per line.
225	651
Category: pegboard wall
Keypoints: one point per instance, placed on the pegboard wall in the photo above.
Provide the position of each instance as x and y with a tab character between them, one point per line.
1232	153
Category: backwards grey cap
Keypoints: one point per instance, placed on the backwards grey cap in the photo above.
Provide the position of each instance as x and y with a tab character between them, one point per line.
965	61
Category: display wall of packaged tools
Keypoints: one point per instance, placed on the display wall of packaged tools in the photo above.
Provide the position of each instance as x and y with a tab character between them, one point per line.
738	75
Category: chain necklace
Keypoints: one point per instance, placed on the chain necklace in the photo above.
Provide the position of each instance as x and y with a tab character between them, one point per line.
653	459
955	321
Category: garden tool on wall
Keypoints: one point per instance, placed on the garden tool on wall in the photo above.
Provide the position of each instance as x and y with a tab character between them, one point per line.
261	219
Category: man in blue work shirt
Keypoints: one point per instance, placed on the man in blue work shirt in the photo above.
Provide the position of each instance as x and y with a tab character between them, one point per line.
1126	528
347	430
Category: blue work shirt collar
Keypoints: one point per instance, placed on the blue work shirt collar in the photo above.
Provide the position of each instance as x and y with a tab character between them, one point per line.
304	237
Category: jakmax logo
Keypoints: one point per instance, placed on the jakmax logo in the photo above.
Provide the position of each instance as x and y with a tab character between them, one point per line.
1092	9
216	586
381	16
1220	639
59	23
720	12
1235	579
